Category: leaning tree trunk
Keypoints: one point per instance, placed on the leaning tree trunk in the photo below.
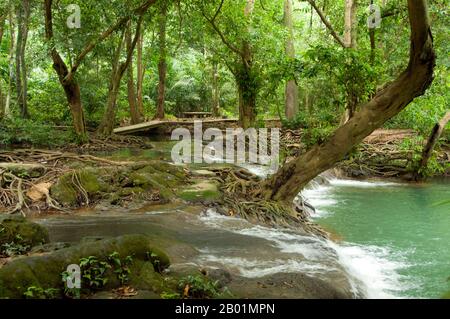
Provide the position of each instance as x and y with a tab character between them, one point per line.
291	90
427	152
162	64
413	82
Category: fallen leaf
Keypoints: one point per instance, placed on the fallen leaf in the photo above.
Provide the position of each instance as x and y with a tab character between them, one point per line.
39	191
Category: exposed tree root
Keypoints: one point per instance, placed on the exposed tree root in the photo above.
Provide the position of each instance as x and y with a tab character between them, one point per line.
14	186
244	197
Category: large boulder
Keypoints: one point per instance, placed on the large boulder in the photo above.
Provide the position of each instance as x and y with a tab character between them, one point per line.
18	230
46	271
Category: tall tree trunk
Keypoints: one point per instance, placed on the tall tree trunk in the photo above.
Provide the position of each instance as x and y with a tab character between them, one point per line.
140	74
350	23
246	84
387	103
11	62
215	90
350	29
118	70
23	15
291	90
162	64
135	116
2	100
427	152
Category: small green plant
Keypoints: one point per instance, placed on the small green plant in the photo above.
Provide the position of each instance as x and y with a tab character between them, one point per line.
121	267
34	292
72	293
199	287
93	272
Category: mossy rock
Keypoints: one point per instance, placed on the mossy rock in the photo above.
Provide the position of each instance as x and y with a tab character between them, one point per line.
67	193
21	231
24	170
45	271
201	191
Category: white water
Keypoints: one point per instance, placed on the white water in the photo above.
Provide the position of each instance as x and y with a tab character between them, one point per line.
376	267
371	269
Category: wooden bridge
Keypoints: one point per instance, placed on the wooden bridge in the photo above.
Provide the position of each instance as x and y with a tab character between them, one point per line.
147	126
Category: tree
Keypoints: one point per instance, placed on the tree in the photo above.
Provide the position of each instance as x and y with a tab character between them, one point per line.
388	102
427	152
291	90
162	64
136	116
118	70
243	70
23	17
66	74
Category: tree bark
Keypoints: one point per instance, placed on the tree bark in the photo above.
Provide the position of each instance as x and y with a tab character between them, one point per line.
412	83
215	90
427	152
135	116
23	16
350	24
11	62
162	64
140	74
291	90
246	84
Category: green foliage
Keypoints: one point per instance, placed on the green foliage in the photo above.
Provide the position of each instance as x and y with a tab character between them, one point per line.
199	287
93	272
20	131
40	293
14	249
121	267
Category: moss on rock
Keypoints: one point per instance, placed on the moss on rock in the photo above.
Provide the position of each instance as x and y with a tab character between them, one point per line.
21	231
45	271
201	191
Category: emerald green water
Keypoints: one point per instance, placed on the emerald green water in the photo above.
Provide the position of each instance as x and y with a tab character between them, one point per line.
403	226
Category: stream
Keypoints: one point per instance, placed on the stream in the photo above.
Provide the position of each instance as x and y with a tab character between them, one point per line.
391	240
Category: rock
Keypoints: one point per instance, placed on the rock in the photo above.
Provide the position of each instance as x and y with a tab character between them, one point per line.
45	271
287	286
201	191
48	248
23	170
65	191
18	230
203	173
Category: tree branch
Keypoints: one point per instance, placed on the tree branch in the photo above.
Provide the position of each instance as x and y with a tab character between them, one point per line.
327	23
118	25
216	28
